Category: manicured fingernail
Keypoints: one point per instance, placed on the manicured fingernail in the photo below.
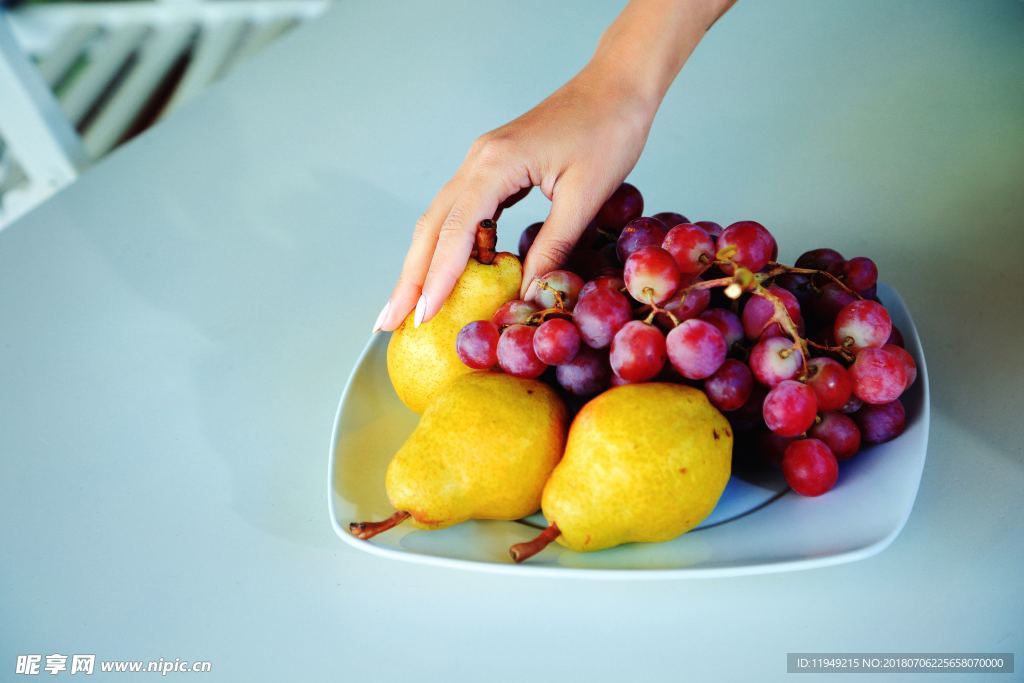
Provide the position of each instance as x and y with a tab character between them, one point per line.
380	317
421	309
531	291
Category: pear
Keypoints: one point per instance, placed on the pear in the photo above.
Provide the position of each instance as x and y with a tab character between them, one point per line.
482	450
422	360
643	463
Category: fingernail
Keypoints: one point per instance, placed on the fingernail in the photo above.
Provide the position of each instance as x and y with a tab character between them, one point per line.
380	317
421	309
531	291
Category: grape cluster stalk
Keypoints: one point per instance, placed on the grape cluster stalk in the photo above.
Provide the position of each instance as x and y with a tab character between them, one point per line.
802	359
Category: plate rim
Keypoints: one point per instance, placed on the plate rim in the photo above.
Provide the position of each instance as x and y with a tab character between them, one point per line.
542	571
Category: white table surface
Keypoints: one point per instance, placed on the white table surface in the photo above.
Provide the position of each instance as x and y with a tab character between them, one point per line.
177	326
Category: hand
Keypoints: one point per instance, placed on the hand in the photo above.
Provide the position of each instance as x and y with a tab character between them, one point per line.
577	146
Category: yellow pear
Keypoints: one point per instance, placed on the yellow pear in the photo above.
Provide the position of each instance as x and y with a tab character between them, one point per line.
482	450
643	463
422	360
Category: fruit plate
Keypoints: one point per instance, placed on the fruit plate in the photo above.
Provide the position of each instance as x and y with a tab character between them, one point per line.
758	526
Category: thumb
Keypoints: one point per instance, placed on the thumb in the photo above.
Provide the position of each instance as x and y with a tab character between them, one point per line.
571	209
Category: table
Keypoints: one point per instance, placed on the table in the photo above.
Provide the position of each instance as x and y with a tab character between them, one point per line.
177	326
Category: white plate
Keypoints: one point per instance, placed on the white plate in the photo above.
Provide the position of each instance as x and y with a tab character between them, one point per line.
757	527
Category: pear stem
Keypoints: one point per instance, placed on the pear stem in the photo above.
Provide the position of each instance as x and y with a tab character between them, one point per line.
366	530
521	552
486	239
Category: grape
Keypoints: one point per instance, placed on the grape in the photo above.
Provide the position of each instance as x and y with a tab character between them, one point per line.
750	415
851	406
625	204
696	349
586	374
909	366
600	314
839	432
825	259
862	324
797	284
637	351
831	383
639	232
727	322
829	301
513	312
789	408
651	275
730	386
515	352
671	219
613	281
566	283
809	467
774	360
556	341
860	273
882	422
772	447
758	312
753	245
685	307
712	228
896	338
691	247
878	376
477	344
527	238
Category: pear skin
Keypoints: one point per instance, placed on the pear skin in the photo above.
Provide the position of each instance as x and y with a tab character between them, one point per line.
643	463
422	360
482	450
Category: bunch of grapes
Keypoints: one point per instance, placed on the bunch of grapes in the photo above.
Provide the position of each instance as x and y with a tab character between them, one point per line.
803	360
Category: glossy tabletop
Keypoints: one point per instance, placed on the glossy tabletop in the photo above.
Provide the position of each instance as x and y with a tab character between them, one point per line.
177	326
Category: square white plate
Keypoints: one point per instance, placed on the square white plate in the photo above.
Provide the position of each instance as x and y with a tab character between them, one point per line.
758	526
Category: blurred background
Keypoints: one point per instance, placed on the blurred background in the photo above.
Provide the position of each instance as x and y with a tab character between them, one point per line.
78	79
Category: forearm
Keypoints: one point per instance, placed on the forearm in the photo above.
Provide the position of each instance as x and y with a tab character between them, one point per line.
646	46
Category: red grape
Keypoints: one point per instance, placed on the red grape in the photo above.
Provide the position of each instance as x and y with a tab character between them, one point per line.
566	283
831	299
712	228
896	338
752	242
825	259
909	366
613	281
651	275
685	307
625	204
556	341
797	284
863	324
586	374
513	312
882	422
527	238
637	351
853	405
600	314
810	468
774	360
477	344
751	414
839	432
730	386
639	232
758	312
789	408
831	383
691	247
696	349
878	376
772	447
515	352
727	322
860	273
671	219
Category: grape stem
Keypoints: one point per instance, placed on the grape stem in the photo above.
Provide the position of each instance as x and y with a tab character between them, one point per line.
367	530
785	321
521	552
779	269
543	314
559	294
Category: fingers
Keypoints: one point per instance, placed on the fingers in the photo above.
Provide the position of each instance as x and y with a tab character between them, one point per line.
478	200
571	209
417	259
